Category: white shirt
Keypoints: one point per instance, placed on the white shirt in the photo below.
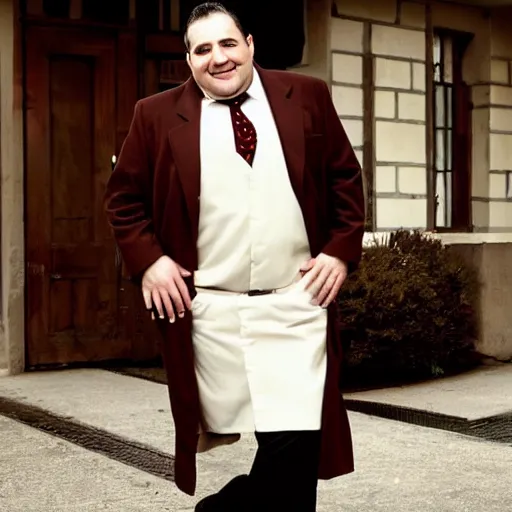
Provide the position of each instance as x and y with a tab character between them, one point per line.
251	229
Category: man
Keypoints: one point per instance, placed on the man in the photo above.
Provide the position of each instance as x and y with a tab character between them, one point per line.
237	203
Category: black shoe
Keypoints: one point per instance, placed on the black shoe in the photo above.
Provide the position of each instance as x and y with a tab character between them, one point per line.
208	504
228	499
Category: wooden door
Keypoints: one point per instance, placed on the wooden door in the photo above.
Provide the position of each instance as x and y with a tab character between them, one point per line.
75	289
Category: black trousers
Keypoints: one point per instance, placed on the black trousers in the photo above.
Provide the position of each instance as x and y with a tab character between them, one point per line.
283	477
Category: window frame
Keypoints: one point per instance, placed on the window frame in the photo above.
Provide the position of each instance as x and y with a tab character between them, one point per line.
457	133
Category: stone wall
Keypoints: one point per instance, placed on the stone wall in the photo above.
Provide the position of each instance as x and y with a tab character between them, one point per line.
393	38
494	265
386	102
500	110
12	339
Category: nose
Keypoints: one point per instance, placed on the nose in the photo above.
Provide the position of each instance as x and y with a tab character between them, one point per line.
218	56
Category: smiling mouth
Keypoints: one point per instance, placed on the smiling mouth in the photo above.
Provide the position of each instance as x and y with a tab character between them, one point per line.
223	73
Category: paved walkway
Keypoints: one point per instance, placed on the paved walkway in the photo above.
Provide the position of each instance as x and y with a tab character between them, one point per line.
400	467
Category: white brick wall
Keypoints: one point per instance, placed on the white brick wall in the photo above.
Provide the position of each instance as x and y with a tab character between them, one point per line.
391	73
500	214
501	95
347	35
400	142
347	69
348	100
411	107
374	10
498	186
412	14
501	152
412	180
385	104
418	77
399	108
397	44
354	129
499	71
501	119
385	179
347	75
407	213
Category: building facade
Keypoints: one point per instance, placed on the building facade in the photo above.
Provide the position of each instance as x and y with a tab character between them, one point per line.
424	90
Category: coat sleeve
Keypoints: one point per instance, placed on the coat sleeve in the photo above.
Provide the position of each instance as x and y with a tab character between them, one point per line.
128	200
346	212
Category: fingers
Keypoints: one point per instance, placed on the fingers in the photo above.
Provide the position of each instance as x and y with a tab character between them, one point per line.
334	291
326	287
319	283
308	265
176	298
184	297
312	275
157	301
165	291
173	298
168	305
146	293
325	281
183	272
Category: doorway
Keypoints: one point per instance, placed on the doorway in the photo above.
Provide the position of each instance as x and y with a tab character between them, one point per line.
79	309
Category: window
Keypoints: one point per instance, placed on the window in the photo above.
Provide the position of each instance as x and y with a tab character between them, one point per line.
452	133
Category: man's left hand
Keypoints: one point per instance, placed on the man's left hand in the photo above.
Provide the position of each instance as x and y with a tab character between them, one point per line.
325	275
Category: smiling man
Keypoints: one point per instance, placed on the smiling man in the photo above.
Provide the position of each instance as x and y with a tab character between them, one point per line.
237	204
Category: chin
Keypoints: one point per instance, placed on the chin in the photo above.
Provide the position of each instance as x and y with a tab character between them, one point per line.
226	91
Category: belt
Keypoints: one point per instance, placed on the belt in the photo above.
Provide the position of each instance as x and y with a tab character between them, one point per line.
255	293
250	293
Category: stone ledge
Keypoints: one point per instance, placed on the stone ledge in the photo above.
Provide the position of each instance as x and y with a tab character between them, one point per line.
449	238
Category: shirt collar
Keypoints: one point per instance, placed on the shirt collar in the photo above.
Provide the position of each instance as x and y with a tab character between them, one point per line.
256	90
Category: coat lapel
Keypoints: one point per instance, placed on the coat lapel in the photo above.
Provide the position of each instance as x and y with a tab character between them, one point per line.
184	141
289	119
185	144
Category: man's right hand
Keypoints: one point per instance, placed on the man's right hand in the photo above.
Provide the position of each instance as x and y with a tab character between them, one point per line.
163	286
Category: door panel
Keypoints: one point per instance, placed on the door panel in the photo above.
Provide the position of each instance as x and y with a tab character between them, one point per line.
76	310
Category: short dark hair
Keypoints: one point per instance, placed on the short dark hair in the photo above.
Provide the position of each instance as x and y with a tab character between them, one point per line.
207	9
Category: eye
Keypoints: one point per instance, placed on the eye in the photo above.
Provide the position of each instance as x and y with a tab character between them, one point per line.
201	50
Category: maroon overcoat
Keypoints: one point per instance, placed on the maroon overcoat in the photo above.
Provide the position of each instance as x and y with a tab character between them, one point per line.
152	202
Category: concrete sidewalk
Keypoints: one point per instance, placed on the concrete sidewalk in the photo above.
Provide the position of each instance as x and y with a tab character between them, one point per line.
399	467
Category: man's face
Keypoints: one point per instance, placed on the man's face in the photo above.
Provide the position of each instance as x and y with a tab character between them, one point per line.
220	58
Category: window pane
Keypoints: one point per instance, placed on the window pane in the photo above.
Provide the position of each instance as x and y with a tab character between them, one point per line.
448	60
448	150
449	109
437	58
440	200
448	200
440	150
440	107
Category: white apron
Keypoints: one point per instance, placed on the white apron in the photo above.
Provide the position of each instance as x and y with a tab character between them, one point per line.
260	360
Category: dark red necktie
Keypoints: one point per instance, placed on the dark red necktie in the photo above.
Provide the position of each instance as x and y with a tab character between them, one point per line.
245	133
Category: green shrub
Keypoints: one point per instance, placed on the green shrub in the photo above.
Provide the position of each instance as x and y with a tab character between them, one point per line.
409	310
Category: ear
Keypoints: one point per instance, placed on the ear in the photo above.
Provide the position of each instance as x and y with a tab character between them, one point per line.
188	59
250	43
